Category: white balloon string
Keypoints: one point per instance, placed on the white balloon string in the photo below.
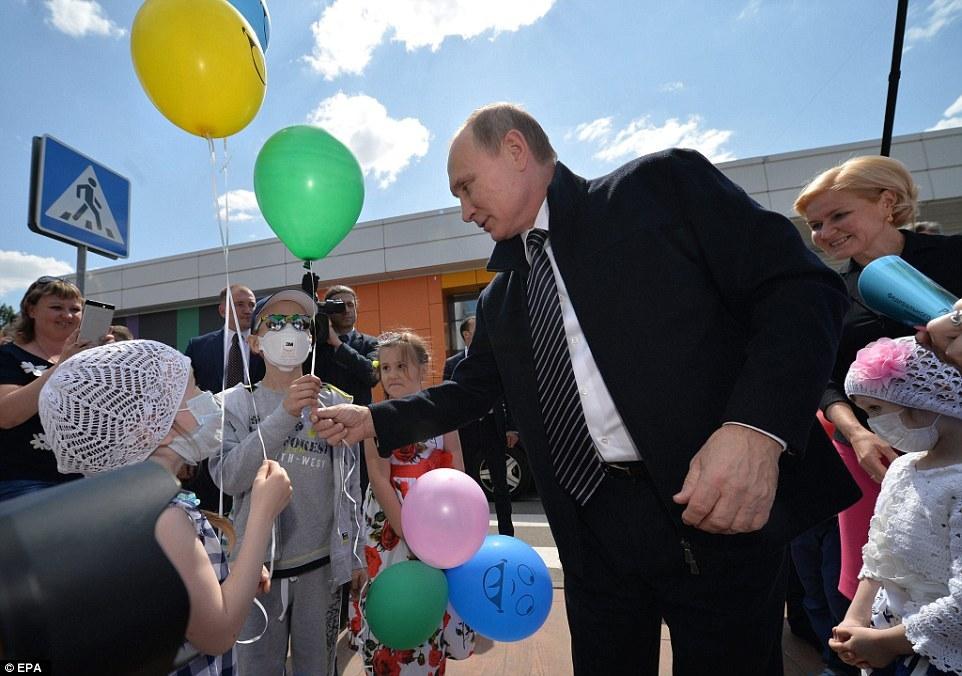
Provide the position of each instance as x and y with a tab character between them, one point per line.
223	226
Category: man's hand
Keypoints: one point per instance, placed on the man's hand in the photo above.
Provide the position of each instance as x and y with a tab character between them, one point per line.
344	422
511	439
731	482
333	339
868	648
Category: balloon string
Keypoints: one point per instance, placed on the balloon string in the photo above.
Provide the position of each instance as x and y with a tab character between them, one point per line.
318	338
223	226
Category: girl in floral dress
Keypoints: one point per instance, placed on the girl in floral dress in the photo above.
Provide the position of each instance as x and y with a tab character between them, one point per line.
403	359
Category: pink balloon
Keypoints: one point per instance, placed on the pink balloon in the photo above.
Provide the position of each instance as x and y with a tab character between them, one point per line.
445	518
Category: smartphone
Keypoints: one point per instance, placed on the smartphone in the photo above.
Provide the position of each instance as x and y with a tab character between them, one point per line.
96	320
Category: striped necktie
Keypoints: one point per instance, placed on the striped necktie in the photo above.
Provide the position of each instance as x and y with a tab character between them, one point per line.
577	466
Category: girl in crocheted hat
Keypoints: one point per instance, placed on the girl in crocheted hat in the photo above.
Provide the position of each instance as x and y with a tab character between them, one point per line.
122	403
906	617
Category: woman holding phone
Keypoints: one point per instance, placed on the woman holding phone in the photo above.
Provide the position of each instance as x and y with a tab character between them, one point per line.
46	332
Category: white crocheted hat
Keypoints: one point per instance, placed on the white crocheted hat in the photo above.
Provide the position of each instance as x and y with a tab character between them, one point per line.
903	372
110	406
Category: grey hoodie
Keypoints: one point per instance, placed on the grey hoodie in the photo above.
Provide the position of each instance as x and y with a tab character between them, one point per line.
324	514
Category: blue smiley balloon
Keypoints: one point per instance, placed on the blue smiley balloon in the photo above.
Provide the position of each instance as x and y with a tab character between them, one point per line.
504	591
255	11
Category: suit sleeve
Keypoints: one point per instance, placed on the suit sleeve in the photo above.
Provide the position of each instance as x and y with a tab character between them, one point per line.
790	303
360	364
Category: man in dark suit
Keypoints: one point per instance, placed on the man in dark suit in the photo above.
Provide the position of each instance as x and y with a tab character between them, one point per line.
213	354
486	438
345	356
662	343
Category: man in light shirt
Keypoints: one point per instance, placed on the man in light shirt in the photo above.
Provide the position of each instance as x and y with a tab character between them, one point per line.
700	333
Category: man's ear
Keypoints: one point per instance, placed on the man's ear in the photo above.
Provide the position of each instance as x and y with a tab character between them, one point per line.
254	342
516	146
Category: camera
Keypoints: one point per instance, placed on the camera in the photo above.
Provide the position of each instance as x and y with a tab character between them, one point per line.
325	308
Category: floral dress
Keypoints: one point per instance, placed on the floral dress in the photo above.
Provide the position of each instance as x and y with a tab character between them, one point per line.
384	548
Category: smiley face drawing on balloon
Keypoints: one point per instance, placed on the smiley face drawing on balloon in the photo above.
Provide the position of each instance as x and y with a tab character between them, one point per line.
517	586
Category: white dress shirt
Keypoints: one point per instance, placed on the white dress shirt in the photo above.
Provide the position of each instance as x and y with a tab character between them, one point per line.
607	429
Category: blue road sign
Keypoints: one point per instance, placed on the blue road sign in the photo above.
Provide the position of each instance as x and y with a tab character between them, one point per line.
77	200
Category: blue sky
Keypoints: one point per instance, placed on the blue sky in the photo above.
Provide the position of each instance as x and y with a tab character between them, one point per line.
608	79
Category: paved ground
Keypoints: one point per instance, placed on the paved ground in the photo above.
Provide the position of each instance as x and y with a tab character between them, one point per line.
548	651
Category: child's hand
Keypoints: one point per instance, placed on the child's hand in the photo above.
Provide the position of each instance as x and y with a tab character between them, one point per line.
264	586
272	489
302	392
358	578
862	647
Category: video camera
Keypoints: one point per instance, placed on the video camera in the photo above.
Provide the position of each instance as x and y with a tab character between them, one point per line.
325	308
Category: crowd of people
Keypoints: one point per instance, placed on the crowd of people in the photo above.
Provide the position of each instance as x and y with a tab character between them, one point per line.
676	450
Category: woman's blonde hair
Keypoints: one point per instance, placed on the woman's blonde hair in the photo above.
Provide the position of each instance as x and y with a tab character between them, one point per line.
867	176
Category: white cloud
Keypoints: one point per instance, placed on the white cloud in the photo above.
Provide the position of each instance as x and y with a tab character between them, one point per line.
954	109
938	15
592	131
79	18
641	137
671	87
750	10
952	117
243	205
20	270
383	145
349	30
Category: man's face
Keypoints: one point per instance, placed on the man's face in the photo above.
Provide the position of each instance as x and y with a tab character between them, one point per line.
244	303
468	334
491	188
345	321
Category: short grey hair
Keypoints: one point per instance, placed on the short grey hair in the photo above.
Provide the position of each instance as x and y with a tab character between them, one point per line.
489	125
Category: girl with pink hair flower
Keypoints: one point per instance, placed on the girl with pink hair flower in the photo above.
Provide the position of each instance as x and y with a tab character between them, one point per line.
906	617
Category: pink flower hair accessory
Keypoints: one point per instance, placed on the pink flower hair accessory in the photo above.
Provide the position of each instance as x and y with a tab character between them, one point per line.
879	362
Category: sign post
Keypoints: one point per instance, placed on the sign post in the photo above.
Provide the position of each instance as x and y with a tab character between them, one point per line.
79	201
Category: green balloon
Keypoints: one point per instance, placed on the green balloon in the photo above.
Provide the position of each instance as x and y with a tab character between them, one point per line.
406	603
310	189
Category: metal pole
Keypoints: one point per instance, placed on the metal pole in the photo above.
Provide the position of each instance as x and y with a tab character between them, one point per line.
81	267
894	75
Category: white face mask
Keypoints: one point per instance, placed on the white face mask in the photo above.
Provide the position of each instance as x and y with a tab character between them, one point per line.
287	348
204	442
892	430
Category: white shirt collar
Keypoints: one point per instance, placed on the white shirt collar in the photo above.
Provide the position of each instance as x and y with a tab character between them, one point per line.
540	221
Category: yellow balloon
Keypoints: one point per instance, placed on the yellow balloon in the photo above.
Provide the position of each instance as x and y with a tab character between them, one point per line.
200	63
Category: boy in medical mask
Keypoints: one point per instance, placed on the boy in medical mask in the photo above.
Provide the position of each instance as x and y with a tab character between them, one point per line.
317	548
906	617
122	403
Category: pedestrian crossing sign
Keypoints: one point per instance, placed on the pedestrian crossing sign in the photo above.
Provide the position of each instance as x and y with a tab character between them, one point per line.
77	200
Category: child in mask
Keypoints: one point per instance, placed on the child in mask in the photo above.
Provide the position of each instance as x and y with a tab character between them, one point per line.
912	566
403	364
122	403
316	536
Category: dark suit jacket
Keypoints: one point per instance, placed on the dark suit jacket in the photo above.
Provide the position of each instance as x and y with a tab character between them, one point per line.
482	436
350	367
699	307
206	353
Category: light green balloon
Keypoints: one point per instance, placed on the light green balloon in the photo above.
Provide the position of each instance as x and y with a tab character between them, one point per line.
406	603
310	188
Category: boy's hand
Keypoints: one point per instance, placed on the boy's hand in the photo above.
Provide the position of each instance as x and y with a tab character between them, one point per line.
302	392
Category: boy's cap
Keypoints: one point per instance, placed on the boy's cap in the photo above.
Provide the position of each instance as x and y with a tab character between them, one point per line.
294	295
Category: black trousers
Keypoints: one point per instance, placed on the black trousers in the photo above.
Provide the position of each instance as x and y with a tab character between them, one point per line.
482	439
726	619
